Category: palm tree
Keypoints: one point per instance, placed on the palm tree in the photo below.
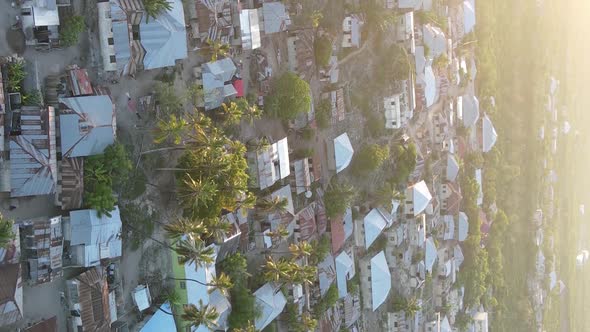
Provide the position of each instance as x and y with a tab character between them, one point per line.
217	48
217	229
231	113
272	205
305	275
411	307
174	128
259	144
301	249
196	193
222	282
192	250
185	226
6	234
248	328
279	234
154	8
276	270
248	201
203	315
307	323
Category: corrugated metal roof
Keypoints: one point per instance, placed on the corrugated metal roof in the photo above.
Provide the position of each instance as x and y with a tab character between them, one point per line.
216	82
343	152
380	280
250	28
272	163
271	302
10	294
88	127
164	38
276	18
33	164
93	296
46	248
71	183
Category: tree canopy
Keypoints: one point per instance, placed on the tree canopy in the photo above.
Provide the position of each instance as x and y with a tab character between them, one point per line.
290	96
338	198
369	158
70	30
322	47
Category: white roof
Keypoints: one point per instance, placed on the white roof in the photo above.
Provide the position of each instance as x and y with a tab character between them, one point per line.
430	255
458	255
45	13
429	86
445	326
348	223
87	228
489	136
470	110
415	4
452	167
468	16
435	39
344	269
478	179
421	197
142	297
449	227
276	18
463	226
164	37
160	321
375	222
250	28
271	301
343	152
420	60
380	280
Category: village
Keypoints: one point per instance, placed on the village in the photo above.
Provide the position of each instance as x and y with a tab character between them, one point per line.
226	165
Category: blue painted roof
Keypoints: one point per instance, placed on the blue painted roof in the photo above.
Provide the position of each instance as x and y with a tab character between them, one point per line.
160	321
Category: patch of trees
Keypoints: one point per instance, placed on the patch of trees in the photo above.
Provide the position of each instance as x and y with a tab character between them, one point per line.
322	47
244	308
70	30
405	162
338	198
290	96
369	158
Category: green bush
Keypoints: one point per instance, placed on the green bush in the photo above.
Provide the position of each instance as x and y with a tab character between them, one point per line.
290	96
70	30
323	114
322	47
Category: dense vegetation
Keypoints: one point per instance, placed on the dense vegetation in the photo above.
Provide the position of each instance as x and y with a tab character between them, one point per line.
290	96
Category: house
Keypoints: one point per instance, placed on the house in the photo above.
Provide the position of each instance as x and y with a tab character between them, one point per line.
271	301
467	24
32	168
92	307
275	16
278	220
435	39
488	134
399	108
351	27
452	169
480	321
300	53
398	322
214	20
326	274
40	21
159	321
405	31
11	299
306	227
430	254
425	78
438	325
450	194
192	292
340	153
414	4
130	41
417	199
337	106
78	81
417	231
351	309
302	170
469	111
42	248
93	238
46	325
375	281
70	183
219	79
373	225
87	125
479	180
462	226
345	270
269	164
448	229
250	29
230	243
341	228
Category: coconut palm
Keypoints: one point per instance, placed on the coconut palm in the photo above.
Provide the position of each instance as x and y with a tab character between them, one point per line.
196	193
279	234
202	315
222	282
248	328
174	128
248	201
217	49
301	249
6	234
154	8
185	226
305	275
192	250
272	205
259	144
307	323
217	229
277	270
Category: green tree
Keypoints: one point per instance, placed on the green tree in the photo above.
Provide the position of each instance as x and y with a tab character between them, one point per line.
272	205
277	270
203	315
155	8
16	74
301	250
217	49
100	198
174	128
290	96
167	98
338	198
70	30
322	47
369	158
405	162
323	114
192	250
321	248
6	234
441	62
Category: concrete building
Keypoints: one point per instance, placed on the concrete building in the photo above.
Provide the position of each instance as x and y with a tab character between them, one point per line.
375	281
351	27
269	164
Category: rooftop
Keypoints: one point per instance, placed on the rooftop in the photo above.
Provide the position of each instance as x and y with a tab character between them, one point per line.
217	85
421	197
344	272
380	280
452	167
343	152
93	296
276	17
489	135
375	222
271	302
270	164
250	29
87	125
